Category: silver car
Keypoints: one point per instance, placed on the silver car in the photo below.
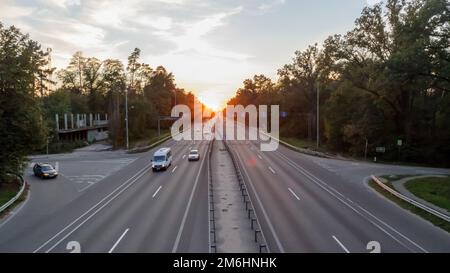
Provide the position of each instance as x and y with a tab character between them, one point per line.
193	155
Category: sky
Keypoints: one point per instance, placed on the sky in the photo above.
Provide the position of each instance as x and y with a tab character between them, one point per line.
210	46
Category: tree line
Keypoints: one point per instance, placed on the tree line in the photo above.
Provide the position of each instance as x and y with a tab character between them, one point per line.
386	80
89	85
30	96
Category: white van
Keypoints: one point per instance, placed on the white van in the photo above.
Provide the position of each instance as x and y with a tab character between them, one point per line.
162	159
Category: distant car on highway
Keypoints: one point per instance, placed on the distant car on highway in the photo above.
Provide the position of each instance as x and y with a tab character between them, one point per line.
162	159
44	170
193	155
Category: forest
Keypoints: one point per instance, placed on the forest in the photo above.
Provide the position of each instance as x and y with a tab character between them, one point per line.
32	92
384	83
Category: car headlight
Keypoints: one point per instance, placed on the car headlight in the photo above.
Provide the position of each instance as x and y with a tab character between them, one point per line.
45	174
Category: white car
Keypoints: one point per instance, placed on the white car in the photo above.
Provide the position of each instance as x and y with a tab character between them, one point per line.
193	155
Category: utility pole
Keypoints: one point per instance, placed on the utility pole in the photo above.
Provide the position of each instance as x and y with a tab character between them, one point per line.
318	124
159	126
126	116
365	149
175	97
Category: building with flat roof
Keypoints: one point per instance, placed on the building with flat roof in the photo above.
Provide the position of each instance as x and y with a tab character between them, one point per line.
88	127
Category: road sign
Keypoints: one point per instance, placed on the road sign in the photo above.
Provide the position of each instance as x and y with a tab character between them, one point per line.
399	142
380	149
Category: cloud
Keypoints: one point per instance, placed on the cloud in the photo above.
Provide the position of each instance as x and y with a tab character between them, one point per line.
194	33
62	3
9	10
264	7
173	33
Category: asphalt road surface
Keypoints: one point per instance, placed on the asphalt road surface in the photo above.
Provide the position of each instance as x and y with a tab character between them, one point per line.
108	201
312	204
131	210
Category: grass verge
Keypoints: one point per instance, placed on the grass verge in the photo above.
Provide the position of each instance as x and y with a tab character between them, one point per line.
150	144
435	190
303	144
7	191
425	215
62	147
392	178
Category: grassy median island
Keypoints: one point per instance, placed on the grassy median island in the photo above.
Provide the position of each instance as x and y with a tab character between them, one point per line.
425	215
435	190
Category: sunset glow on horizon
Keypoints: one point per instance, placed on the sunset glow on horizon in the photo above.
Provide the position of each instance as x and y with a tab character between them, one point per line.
211	47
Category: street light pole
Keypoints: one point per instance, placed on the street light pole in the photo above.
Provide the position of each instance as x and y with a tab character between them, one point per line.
175	97
126	117
318	124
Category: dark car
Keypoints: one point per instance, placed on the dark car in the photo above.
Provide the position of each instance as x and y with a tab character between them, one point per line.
44	171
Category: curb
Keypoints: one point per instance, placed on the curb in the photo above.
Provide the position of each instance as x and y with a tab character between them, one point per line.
410	201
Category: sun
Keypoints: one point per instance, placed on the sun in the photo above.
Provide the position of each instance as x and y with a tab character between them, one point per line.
210	101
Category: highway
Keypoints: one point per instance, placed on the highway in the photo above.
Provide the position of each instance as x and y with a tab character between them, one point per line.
305	208
303	203
311	204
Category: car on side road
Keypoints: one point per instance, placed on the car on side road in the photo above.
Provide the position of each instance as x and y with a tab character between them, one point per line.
44	170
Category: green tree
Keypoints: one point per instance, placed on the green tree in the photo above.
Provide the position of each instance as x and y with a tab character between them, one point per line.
22	64
92	79
114	82
57	102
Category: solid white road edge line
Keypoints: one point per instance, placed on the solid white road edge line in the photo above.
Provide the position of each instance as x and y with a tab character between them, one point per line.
269	223
335	193
180	231
209	203
94	213
127	182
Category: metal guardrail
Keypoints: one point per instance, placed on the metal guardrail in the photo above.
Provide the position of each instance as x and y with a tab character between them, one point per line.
17	196
211	211
254	223
411	201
